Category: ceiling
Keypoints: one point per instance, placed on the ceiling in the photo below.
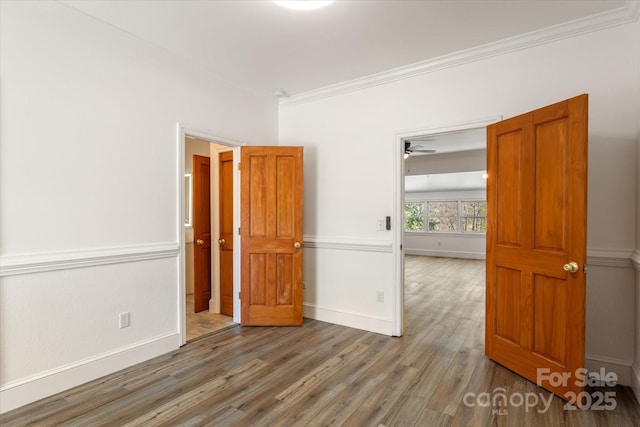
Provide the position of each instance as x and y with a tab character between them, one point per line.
446	143
265	48
458	181
449	142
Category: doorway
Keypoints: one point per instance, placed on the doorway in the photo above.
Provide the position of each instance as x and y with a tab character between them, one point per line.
441	190
200	317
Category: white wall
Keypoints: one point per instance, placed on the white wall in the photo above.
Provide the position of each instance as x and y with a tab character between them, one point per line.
453	245
89	178
339	226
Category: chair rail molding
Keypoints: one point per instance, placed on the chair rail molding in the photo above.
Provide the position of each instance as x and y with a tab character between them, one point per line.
606	257
347	244
11	265
635	259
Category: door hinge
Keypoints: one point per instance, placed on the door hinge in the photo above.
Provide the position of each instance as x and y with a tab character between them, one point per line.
239	295
238	165
238	231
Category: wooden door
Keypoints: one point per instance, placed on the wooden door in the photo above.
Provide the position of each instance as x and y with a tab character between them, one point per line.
201	233
537	201
271	235
226	232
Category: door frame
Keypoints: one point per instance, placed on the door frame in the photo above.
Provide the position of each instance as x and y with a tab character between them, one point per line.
397	315
182	131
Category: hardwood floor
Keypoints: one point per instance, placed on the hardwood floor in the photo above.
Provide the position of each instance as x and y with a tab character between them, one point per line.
323	374
204	323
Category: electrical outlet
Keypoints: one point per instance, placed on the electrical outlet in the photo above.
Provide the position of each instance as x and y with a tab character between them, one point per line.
380	296
124	320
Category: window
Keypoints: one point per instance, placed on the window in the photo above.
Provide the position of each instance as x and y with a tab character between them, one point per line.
443	216
474	216
455	216
414	216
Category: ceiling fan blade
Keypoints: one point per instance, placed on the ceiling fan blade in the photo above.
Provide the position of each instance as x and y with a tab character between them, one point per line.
409	149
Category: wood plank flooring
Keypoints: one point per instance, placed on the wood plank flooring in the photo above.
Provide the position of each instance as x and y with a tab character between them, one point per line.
204	323
322	374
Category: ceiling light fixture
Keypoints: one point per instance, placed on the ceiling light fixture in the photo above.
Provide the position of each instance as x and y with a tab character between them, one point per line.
303	4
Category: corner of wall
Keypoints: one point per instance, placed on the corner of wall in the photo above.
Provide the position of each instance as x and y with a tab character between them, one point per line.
635	367
350	319
635	381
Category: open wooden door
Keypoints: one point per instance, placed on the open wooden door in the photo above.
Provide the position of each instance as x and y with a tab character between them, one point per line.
271	235
201	233
225	240
536	245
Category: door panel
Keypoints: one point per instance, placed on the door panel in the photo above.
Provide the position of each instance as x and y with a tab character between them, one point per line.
508	300
271	234
257	196
201	233
550	304
258	288
536	198
510	183
285	279
550	186
225	240
285	194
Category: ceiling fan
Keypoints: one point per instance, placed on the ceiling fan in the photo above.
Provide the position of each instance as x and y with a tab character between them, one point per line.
410	149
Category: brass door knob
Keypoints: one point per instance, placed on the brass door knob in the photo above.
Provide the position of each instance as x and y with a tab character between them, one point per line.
571	267
199	242
297	245
221	242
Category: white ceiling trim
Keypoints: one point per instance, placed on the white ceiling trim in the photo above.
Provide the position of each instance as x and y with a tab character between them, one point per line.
628	13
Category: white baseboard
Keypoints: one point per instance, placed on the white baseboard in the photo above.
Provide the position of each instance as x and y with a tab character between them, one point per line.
635	381
446	254
28	390
621	368
351	319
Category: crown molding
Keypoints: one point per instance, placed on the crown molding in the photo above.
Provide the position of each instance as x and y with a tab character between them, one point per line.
625	14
